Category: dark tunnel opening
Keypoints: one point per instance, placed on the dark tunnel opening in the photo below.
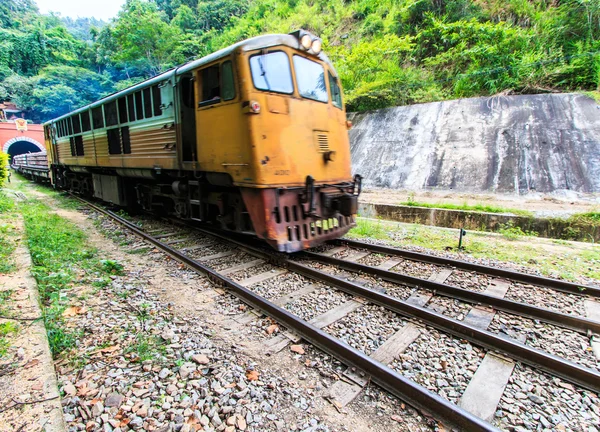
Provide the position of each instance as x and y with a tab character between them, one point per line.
21	147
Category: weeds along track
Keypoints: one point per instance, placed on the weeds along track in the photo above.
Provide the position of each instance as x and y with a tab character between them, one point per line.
447	350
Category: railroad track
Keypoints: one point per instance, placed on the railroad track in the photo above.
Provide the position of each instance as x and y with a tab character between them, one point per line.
500	358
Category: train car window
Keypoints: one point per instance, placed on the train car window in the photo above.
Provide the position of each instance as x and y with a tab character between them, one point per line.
336	93
59	129
122	102
156	100
139	107
131	107
76	124
310	77
110	113
271	72
85	121
114	141
79	145
97	118
187	92
211	86
62	128
228	90
147	103
126	139
72	144
69	126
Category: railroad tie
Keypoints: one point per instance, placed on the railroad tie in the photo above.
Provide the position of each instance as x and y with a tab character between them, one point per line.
276	344
253	314
419	299
333	251
216	256
241	267
592	311
161	236
344	391
389	264
485	389
357	256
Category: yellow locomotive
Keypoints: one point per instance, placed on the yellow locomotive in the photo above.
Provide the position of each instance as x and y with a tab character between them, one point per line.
252	137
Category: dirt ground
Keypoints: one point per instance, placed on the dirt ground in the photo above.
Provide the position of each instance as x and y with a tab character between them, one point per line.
557	204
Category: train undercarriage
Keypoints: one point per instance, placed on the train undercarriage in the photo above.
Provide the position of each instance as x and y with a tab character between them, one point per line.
289	219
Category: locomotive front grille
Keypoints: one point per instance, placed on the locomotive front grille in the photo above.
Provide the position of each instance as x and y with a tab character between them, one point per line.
322	142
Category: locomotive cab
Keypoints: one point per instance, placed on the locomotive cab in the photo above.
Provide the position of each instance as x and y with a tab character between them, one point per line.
275	106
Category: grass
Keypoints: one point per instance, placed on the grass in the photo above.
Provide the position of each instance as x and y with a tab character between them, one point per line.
592	218
594	95
145	347
466	207
365	228
7	232
61	258
6	329
564	260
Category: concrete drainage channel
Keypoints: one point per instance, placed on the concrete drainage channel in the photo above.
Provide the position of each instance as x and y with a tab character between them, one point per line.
374	366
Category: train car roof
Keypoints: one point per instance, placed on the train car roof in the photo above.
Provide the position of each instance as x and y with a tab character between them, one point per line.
251	44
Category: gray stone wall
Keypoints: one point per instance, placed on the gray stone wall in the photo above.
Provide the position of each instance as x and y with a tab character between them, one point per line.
506	144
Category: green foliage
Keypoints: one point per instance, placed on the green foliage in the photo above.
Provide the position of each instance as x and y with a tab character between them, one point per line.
3	171
58	250
366	228
387	52
142	32
111	267
466	207
511	232
6	329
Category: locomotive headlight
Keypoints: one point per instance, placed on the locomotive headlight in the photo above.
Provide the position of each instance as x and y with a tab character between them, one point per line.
306	41
316	46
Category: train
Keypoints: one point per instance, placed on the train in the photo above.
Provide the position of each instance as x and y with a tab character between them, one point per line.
252	138
33	166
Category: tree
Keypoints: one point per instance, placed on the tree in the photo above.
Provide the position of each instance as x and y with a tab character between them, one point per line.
60	89
141	32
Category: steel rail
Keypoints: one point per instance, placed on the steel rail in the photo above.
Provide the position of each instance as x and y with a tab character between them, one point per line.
554	284
568	370
390	380
572	322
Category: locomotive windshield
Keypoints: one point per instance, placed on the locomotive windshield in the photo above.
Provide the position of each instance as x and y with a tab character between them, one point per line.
271	72
311	79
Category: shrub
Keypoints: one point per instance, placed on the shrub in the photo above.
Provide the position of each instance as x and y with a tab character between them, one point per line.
3	168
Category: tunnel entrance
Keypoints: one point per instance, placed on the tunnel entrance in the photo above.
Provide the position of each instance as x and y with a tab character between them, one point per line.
20	147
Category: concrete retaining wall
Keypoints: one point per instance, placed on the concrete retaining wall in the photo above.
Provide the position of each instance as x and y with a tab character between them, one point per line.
514	144
544	227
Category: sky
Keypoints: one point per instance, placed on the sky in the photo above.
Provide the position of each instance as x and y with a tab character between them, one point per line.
101	9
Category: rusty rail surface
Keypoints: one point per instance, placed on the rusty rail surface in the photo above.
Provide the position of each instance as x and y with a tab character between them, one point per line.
554	284
572	322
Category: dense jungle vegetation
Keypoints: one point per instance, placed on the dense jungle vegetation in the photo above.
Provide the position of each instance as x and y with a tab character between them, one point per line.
388	52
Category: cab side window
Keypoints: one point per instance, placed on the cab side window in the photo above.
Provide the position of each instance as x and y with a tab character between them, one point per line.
211	86
228	91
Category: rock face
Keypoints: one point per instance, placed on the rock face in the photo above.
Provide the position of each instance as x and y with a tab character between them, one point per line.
508	144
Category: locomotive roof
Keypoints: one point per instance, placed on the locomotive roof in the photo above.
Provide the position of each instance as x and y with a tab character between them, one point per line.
254	43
